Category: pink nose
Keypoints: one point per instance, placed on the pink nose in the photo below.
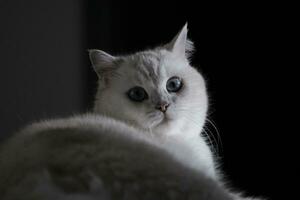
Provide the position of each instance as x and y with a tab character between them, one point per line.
162	106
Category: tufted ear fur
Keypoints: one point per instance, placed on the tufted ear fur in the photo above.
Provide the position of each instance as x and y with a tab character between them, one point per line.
180	45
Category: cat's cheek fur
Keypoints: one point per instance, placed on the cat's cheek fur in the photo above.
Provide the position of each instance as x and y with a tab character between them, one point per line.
118	106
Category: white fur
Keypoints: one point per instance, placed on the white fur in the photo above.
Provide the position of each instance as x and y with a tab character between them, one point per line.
132	132
186	115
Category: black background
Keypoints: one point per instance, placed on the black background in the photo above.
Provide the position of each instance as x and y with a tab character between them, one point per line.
45	72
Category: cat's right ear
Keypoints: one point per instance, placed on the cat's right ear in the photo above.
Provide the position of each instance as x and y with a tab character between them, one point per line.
181	46
102	62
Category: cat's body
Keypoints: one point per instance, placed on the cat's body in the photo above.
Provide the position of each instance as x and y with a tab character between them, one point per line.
88	157
143	142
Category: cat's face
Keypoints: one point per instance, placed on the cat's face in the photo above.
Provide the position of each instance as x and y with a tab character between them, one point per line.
151	89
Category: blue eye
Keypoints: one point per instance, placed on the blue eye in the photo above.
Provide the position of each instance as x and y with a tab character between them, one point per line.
137	94
174	84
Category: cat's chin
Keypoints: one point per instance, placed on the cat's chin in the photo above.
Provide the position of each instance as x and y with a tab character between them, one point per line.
162	121
156	122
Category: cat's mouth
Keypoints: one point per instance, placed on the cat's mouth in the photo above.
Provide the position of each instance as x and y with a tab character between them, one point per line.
158	118
155	118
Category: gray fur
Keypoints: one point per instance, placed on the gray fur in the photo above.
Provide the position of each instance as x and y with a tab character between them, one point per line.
106	163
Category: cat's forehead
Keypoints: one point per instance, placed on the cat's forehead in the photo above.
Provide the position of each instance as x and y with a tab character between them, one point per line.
147	66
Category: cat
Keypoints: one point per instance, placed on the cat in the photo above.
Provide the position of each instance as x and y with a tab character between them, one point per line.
142	141
151	72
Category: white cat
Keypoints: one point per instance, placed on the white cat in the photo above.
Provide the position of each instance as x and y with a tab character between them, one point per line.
155	74
143	140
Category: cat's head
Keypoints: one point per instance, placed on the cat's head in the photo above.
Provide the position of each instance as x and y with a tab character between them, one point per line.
153	89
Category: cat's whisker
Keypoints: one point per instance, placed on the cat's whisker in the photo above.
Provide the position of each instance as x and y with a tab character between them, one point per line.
217	132
189	110
211	138
215	145
211	144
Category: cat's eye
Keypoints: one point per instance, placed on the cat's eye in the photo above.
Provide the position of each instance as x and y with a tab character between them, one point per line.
174	84
137	94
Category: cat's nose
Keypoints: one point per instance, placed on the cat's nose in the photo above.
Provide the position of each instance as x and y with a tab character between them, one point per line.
163	106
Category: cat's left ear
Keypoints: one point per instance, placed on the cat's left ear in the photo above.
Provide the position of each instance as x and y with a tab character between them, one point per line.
180	45
102	62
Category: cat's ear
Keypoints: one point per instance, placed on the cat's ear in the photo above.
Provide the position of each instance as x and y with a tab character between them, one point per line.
102	62
181	45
